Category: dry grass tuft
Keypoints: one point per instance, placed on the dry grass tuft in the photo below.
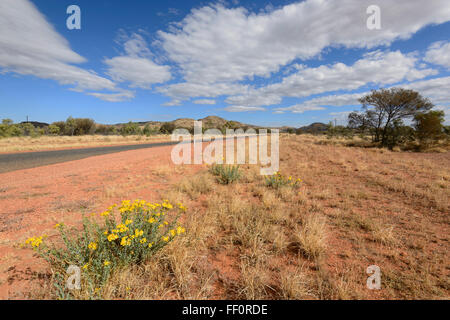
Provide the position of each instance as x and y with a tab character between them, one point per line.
311	237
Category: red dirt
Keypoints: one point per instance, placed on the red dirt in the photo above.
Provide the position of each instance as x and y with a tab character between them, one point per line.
32	201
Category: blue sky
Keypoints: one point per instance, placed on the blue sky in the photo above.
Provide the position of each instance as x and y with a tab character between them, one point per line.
270	63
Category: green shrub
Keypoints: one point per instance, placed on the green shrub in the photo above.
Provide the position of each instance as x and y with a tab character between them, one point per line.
130	129
53	130
278	180
167	128
141	230
226	174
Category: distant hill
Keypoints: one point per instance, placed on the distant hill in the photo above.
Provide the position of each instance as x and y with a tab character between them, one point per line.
316	127
210	122
37	124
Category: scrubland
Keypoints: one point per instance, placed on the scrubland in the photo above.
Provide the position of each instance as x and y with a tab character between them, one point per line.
340	210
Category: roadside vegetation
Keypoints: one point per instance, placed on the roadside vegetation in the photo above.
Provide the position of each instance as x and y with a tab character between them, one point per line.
308	232
396	119
100	249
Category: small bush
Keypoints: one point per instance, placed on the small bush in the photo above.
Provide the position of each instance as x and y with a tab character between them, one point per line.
277	181
142	229
226	174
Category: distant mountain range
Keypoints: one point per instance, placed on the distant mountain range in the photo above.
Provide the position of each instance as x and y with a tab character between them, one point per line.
210	123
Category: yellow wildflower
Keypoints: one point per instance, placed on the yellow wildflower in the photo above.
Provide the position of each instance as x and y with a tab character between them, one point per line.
92	246
143	240
126	241
112	237
104	214
106	263
138	233
181	230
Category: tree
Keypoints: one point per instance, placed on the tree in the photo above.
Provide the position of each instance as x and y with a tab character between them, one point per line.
148	131
429	126
447	130
84	126
130	129
70	126
382	109
61	125
28	129
167	128
53	130
7	122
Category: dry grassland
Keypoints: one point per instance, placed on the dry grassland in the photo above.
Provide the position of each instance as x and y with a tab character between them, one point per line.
355	208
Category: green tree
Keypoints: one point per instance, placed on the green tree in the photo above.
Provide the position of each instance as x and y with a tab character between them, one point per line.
53	130
382	108
28	129
167	128
84	126
61	125
70	126
149	131
130	129
429	125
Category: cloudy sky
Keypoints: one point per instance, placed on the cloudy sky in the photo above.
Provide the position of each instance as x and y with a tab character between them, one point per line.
270	63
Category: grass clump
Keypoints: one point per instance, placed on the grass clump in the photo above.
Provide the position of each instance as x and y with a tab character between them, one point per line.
226	174
142	229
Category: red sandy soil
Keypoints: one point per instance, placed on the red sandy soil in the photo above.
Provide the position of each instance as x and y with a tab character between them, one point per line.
32	201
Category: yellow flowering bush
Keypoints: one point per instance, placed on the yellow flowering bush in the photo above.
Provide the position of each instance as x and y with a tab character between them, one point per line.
278	180
129	234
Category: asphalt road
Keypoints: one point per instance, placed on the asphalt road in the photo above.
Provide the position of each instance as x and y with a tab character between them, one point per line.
17	161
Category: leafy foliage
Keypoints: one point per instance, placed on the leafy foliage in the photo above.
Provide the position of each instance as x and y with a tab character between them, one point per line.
142	229
384	109
226	174
278	180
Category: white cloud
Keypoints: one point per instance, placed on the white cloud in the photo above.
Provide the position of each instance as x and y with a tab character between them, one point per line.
113	97
301	108
205	101
439	53
215	46
432	89
255	98
214	43
136	67
322	102
435	89
184	90
243	109
29	45
374	68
